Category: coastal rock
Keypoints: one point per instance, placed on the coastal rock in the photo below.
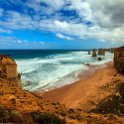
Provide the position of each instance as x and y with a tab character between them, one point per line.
112	50
8	69
99	59
89	53
94	53
101	52
119	59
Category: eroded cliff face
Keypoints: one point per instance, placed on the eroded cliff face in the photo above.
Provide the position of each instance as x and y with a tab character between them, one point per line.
94	54
23	107
8	69
101	52
119	59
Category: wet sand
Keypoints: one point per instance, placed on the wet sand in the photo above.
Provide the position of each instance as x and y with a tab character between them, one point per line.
78	94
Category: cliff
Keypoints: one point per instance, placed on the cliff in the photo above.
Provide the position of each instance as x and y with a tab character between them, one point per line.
23	107
94	54
101	52
119	59
8	69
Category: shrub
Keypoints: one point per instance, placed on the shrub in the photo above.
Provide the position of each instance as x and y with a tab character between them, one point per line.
62	113
16	117
76	117
47	118
7	116
71	111
120	87
4	115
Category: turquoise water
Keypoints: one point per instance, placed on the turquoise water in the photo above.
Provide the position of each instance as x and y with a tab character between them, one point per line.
48	69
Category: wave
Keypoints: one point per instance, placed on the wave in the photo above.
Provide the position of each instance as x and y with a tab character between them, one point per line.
54	70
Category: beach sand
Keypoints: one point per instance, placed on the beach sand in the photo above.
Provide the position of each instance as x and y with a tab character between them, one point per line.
88	91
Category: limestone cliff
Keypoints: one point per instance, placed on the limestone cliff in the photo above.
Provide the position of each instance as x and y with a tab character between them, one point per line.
94	54
19	106
8	69
101	52
119	59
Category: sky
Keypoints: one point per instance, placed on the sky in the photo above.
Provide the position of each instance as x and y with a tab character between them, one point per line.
61	24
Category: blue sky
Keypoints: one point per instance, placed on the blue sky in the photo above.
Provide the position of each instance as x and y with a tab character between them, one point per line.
61	24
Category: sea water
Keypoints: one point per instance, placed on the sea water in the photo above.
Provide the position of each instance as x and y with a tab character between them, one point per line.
48	69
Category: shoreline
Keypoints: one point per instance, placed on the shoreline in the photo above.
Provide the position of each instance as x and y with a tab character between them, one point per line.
72	95
82	74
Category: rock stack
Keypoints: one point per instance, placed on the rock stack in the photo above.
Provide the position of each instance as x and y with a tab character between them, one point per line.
94	53
101	52
119	59
88	52
8	69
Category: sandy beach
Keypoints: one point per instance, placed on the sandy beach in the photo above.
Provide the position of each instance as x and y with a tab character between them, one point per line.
85	93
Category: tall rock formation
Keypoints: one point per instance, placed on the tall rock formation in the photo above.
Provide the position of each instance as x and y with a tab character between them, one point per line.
8	69
94	53
119	59
101	52
89	53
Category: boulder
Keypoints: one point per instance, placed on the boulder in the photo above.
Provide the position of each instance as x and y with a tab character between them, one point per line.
94	53
101	52
119	59
99	59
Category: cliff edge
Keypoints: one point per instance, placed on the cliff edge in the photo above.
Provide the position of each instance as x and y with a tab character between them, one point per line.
19	106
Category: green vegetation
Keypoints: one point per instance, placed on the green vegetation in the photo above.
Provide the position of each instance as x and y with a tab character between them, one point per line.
47	118
7	116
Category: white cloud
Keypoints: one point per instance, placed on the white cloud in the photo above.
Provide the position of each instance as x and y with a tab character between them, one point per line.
63	36
60	24
19	41
1	12
5	31
55	4
107	18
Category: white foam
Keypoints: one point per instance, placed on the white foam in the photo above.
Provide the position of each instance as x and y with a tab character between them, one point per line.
55	71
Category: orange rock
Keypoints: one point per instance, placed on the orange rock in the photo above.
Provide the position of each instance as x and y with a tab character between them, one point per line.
101	52
94	53
119	59
8	69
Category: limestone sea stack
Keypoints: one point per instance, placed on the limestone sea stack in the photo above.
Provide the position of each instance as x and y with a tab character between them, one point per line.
89	53
94	53
101	52
8	69
119	59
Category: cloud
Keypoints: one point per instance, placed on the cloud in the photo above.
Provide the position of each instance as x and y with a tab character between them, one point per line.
1	12
7	42
16	20
106	17
107	13
63	36
5	31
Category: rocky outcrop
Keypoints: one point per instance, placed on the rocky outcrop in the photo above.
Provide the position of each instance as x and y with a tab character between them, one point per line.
101	52
8	69
19	106
112	50
119	59
94	53
89	53
99	59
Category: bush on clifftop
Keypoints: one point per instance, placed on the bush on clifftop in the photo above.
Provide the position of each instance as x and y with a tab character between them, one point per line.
47	118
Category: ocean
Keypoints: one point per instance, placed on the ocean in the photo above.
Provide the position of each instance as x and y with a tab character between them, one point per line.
49	69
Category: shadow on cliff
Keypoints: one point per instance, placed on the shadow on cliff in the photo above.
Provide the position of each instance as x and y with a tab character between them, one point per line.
108	105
